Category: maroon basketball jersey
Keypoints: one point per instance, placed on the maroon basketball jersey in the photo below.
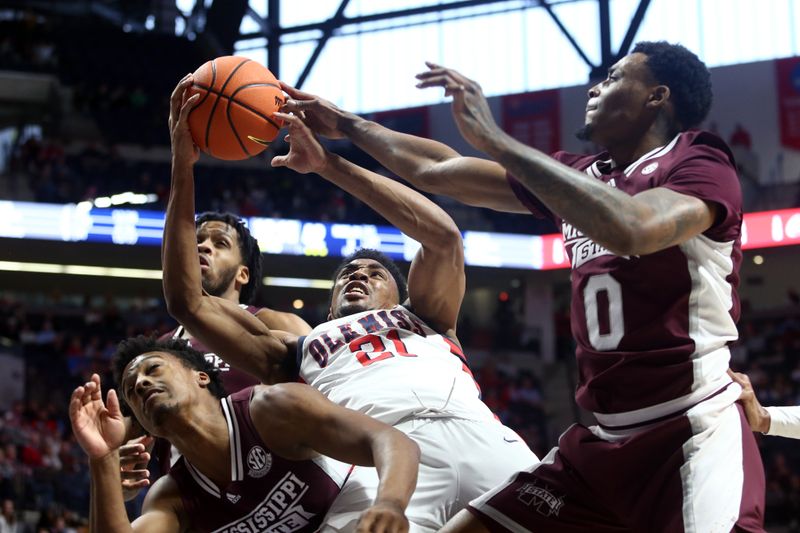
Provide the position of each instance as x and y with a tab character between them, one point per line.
652	331
233	379
266	492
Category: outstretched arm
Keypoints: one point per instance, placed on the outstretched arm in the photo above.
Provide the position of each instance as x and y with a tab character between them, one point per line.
778	421
241	339
436	279
427	164
100	430
627	225
757	416
310	424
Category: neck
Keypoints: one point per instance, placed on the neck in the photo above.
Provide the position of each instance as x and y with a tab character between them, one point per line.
626	152
231	294
201	435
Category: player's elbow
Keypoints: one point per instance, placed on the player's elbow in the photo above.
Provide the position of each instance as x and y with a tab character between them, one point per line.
428	176
397	444
446	236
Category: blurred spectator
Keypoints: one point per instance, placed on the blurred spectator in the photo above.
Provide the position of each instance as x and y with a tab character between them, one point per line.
9	522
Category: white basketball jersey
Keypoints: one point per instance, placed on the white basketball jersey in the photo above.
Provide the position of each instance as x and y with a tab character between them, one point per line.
390	365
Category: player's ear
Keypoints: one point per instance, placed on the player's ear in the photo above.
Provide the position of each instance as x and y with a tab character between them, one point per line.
203	379
243	275
659	96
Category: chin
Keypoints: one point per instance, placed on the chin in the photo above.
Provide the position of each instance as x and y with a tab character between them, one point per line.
584	133
347	309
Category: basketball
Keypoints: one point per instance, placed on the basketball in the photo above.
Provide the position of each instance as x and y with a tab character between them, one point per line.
233	117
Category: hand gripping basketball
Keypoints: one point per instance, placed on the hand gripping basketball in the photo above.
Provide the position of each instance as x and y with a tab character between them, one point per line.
233	118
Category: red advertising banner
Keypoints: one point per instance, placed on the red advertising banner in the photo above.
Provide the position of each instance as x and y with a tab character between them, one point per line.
788	82
413	121
534	119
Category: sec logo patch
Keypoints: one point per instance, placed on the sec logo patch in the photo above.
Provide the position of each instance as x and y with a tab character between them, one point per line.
259	462
649	169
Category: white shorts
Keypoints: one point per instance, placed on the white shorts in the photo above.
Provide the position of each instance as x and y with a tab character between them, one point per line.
459	460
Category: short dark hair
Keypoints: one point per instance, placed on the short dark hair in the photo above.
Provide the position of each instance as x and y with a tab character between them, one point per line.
248	248
687	77
133	347
383	259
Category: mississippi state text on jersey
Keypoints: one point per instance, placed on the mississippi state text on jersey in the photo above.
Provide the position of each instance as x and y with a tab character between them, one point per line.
652	331
266	492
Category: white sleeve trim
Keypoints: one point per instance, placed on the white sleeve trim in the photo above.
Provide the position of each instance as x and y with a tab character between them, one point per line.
785	422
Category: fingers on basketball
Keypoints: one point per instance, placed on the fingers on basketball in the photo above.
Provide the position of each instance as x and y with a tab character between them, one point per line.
233	118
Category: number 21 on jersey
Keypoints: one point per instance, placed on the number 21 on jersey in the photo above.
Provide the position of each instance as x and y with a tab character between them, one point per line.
377	348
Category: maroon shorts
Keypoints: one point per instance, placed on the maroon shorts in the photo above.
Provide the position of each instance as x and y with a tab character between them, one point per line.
700	471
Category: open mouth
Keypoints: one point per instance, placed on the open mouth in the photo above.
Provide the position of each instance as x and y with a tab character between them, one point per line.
355	288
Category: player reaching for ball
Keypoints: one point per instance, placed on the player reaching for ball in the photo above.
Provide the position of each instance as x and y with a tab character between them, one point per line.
233	116
389	348
652	226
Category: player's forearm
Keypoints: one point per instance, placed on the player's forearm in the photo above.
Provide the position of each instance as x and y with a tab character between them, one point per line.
606	215
107	509
406	209
412	158
397	461
181	272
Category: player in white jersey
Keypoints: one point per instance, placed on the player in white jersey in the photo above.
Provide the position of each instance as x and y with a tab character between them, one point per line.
401	366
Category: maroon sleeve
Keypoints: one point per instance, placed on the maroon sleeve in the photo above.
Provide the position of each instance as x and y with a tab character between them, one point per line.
708	172
529	200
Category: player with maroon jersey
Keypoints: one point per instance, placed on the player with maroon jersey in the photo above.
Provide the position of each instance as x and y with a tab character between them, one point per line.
652	226
230	267
250	462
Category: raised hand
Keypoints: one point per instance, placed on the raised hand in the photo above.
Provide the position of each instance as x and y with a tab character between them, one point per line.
99	429
321	116
306	154
383	518
470	107
180	104
133	458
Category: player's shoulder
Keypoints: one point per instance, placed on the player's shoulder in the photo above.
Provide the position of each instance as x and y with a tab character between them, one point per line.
702	143
579	161
281	397
165	492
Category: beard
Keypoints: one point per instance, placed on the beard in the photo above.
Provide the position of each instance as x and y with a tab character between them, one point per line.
584	133
348	309
223	281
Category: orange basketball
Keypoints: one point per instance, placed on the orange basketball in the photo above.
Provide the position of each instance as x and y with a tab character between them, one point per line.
233	119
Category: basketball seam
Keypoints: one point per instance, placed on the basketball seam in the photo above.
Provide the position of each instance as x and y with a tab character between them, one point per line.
249	85
249	108
214	107
234	128
208	92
